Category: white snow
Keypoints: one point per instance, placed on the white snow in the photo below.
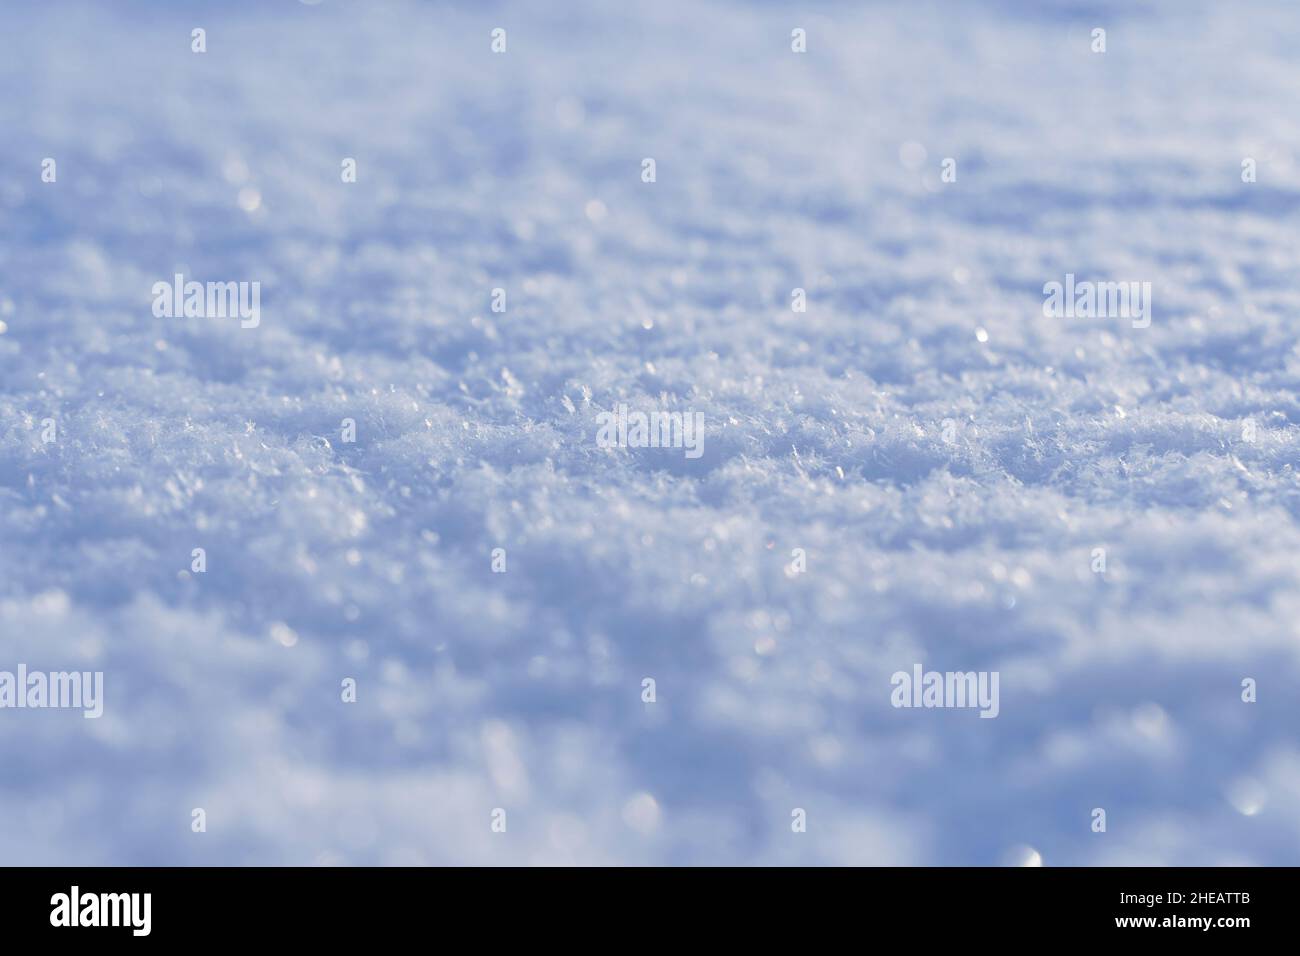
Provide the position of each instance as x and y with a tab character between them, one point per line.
824	431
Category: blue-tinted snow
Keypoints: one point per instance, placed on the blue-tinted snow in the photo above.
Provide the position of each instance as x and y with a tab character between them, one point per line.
824	431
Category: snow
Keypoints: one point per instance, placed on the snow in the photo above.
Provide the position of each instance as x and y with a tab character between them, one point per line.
824	431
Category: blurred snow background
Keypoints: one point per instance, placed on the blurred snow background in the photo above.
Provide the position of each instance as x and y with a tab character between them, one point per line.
823	432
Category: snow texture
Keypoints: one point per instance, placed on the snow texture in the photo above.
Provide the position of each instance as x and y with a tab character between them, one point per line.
824	431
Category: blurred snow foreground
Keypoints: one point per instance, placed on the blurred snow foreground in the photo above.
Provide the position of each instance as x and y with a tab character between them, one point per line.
474	633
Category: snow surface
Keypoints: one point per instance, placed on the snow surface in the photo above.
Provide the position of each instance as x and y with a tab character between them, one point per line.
824	431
